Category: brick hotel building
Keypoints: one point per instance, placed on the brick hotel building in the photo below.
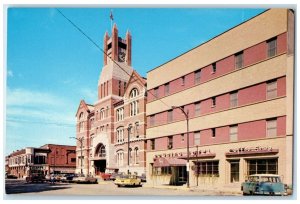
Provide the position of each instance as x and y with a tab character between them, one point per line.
238	91
102	129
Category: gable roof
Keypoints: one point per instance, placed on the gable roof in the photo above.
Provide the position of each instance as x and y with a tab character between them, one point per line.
135	74
87	107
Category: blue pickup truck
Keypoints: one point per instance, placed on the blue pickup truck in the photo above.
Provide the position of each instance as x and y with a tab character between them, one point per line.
263	184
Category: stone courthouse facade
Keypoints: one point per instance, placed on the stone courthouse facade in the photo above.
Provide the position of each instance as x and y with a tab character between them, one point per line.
102	130
237	89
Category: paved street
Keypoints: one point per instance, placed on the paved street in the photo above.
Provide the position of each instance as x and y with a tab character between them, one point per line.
15	188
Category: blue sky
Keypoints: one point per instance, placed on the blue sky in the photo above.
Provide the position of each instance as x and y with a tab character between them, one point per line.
51	66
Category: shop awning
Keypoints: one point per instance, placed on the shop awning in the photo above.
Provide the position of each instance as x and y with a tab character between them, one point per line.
163	162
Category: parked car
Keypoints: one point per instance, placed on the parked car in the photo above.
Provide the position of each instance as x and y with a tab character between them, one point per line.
142	177
263	184
127	180
84	179
67	177
105	176
35	177
10	176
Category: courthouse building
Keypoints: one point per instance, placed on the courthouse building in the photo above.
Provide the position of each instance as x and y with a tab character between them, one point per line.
237	90
102	129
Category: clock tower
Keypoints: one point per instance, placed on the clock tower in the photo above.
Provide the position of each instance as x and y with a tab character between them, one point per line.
117	49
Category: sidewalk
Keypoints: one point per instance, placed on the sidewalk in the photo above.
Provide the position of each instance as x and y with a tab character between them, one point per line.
228	190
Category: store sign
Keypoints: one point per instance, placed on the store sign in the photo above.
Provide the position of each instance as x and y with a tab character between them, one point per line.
200	153
251	150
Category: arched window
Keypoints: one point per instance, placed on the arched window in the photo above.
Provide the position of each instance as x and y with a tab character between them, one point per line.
134	93
81	116
102	114
136	155
134	108
120	114
120	158
91	140
120	134
100	150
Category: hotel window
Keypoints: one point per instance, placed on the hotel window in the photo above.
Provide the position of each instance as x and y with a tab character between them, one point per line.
152	120
170	142
213	132
213	68
156	92
170	116
167	89
239	58
233	133
272	47
234	99
182	80
197	109
152	144
272	128
120	157
197	76
271	89
209	168
213	102
197	138
262	166
124	86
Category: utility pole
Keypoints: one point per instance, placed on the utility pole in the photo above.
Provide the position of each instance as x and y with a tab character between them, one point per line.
128	163
80	140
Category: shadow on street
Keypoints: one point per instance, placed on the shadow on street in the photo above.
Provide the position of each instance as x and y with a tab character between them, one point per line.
17	186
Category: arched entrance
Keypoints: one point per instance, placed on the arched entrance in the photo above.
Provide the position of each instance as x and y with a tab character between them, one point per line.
100	159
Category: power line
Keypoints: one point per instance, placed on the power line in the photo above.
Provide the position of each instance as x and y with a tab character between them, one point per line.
39	122
94	43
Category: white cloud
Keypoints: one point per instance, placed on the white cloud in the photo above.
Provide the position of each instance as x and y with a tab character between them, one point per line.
45	107
23	97
89	95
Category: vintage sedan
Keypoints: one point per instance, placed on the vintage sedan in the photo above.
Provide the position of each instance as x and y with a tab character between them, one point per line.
85	179
263	184
127	180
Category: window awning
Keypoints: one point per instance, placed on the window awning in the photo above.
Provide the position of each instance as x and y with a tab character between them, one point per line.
163	162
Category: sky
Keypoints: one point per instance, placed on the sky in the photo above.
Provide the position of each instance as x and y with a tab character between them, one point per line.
51	66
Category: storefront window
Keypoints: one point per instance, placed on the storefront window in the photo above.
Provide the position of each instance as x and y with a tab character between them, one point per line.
263	166
160	171
209	168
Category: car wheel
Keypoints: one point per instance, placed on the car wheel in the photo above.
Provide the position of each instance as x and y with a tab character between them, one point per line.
118	186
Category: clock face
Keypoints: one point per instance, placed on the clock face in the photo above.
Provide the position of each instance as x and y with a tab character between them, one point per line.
121	56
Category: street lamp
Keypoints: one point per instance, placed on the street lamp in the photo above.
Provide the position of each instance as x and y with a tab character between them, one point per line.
129	129
80	140
186	114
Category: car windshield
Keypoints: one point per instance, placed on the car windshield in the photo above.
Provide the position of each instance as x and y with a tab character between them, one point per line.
271	179
253	178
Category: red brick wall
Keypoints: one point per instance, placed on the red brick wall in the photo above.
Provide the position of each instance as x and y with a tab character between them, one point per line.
222	102
252	94
281	86
252	130
282	43
281	126
255	54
